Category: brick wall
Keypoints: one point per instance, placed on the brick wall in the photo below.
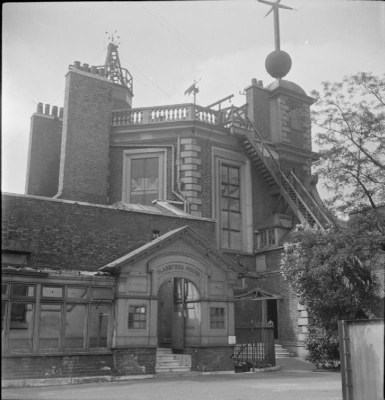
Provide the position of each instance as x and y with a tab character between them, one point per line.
133	361
44	155
258	102
61	234
209	359
272	281
86	135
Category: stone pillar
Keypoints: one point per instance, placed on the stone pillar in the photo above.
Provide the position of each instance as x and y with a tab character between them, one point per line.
191	175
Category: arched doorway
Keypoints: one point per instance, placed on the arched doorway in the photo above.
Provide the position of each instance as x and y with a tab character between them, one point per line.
179	314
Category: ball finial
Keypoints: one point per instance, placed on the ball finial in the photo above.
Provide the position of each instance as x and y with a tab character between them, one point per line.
278	64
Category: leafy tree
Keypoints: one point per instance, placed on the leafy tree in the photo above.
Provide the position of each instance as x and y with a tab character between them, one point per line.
333	273
350	119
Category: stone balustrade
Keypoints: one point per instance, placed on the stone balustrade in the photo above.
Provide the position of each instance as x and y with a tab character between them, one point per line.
171	113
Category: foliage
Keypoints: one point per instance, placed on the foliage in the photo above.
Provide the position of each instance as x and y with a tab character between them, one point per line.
323	347
333	273
350	119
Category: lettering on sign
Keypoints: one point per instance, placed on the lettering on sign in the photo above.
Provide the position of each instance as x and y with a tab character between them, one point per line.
178	267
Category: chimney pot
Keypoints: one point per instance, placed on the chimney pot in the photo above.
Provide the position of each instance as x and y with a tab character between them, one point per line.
77	64
260	83
254	81
39	108
85	67
94	70
61	112
101	72
54	111
46	109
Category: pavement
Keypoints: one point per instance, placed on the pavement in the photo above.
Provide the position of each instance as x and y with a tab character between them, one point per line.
296	380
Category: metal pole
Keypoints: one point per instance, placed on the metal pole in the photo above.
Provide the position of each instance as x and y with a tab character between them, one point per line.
276	29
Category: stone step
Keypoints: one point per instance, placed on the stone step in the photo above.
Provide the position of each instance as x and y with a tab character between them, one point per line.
281	352
166	375
177	368
168	363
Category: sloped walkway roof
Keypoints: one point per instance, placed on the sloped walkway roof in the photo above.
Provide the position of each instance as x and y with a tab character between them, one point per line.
256	293
166	238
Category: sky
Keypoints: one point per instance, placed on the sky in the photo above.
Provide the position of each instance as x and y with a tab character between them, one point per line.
168	45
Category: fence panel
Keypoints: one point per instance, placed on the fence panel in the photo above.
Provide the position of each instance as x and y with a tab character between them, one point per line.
362	359
254	346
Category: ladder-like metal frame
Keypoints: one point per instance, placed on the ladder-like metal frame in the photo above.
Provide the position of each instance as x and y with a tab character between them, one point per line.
292	190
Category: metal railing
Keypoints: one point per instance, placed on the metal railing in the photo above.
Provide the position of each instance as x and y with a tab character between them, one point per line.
254	346
308	210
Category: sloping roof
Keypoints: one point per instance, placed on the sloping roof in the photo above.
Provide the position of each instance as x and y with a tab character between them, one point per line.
166	238
154	209
256	293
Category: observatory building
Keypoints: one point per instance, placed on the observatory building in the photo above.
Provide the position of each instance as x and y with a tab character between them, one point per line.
155	233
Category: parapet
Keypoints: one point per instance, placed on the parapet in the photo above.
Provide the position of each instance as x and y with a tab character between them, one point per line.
46	109
86	68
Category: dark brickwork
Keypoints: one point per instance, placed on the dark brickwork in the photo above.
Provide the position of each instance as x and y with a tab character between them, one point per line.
210	359
119	362
44	155
134	361
273	282
86	136
62	234
258	110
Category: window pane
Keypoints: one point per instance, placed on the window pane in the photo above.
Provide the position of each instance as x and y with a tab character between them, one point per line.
144	187
224	173
225	239
102	293
235	205
235	240
98	328
137	317
21	327
217	318
21	290
3	310
225	203
234	176
234	191
225	220
235	221
75	324
50	326
52	291
77	293
4	289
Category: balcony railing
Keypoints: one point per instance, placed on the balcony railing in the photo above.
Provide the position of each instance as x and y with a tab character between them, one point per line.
172	113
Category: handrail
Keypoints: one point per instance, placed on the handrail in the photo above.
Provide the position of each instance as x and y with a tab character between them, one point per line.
298	197
280	172
304	190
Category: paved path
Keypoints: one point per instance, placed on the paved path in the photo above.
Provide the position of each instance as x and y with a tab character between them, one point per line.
287	384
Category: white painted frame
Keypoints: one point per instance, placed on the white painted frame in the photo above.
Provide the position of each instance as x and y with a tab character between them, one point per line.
131	154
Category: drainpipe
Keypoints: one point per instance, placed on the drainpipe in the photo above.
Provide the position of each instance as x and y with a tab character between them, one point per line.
177	182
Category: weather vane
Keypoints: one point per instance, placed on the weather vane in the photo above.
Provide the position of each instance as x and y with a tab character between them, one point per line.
275	8
113	38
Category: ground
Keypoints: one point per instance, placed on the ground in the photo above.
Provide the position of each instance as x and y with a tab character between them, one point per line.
295	381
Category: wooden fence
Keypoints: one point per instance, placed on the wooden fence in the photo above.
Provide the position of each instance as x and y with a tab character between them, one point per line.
362	359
